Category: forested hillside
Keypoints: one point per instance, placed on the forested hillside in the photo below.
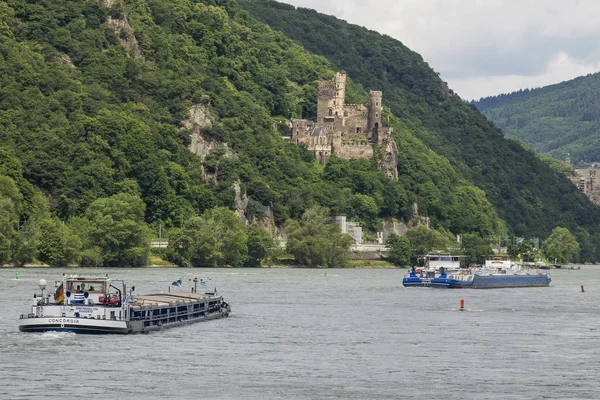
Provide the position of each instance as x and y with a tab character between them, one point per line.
559	119
530	196
95	159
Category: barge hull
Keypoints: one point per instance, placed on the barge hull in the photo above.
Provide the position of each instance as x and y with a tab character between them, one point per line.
498	282
77	325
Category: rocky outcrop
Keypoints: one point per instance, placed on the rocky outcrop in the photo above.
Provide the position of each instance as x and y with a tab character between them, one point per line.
392	226
126	35
108	3
199	119
266	221
65	59
388	160
241	200
414	219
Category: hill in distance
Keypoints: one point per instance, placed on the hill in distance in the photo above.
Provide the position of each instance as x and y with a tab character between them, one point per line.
556	120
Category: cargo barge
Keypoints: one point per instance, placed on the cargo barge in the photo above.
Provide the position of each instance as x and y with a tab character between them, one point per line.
101	305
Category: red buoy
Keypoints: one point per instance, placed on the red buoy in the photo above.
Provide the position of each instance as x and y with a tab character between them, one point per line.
582	289
462	304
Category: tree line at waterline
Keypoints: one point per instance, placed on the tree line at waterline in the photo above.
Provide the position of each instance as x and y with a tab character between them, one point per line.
112	232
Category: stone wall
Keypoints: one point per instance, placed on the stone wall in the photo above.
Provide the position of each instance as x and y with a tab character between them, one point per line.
354	150
357	118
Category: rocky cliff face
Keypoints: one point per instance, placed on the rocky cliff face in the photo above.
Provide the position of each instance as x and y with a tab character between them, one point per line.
388	159
108	3
392	226
124	32
126	36
199	119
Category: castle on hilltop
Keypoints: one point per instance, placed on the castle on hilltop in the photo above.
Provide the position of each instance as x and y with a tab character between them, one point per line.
343	130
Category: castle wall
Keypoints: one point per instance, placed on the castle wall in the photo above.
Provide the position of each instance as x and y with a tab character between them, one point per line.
354	150
355	123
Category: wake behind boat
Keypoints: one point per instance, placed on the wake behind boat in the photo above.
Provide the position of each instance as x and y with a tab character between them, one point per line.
101	305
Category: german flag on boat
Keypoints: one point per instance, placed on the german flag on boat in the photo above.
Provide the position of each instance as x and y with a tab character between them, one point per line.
59	295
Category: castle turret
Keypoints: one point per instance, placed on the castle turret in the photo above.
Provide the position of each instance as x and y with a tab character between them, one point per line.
374	122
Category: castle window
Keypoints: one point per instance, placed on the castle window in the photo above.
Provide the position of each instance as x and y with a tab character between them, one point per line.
330	112
358	129
376	115
376	103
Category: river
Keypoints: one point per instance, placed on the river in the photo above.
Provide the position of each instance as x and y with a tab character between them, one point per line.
319	334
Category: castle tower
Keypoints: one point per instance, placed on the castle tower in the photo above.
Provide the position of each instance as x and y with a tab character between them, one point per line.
299	131
330	103
568	162
374	122
339	99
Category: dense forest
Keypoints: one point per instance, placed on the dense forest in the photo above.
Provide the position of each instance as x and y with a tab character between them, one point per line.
558	120
95	158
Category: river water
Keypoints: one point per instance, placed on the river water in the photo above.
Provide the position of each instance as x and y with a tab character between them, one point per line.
319	334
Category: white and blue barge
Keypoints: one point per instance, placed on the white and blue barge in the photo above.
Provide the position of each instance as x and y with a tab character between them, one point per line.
101	305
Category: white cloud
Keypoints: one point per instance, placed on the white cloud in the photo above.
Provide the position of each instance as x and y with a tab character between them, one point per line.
485	47
560	68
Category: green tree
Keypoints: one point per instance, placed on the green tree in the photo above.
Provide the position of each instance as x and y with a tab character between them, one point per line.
365	209
118	229
561	246
58	246
525	250
260	245
399	250
8	221
315	241
423	240
216	239
475	248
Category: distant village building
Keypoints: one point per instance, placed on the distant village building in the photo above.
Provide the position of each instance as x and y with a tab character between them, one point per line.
587	184
343	130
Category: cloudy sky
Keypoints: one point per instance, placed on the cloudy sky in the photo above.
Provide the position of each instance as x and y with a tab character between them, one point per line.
486	47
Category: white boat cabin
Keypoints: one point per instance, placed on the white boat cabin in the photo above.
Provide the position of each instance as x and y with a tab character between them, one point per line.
436	261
